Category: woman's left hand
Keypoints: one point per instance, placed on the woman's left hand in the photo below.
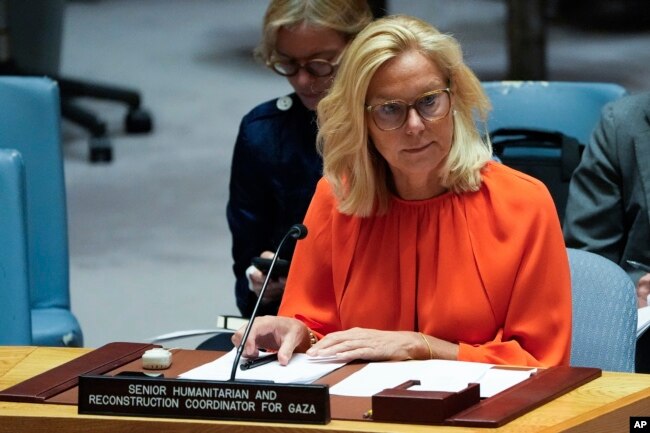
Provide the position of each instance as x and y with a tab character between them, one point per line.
375	345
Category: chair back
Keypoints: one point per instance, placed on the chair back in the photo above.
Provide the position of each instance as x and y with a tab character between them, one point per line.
604	313
572	108
15	315
540	128
31	125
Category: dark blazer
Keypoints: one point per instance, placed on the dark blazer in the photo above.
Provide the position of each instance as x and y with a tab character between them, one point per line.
608	207
275	169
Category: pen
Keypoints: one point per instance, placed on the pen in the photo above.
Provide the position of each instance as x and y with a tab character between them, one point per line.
258	361
639	266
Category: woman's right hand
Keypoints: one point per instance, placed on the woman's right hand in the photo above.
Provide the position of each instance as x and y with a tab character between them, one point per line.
274	333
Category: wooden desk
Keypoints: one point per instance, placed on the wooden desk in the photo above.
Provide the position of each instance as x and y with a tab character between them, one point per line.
603	405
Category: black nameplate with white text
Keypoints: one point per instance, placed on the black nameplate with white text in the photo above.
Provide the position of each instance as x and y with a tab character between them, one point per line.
182	398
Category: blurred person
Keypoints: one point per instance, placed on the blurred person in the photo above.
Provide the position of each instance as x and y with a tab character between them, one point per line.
607	210
419	246
275	164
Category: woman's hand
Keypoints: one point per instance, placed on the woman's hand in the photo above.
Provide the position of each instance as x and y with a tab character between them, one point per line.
282	334
256	279
375	345
643	290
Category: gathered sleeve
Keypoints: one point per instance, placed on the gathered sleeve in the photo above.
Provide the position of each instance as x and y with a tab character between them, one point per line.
309	293
524	264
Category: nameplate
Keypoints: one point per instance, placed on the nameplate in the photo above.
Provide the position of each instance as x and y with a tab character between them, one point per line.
181	398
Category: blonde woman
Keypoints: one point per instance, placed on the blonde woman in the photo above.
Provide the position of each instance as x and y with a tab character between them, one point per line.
419	245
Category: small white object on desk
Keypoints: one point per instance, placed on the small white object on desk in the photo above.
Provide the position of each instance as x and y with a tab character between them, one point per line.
156	359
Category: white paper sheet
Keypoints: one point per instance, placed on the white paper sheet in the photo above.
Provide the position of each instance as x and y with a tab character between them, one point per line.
643	321
499	379
301	369
434	375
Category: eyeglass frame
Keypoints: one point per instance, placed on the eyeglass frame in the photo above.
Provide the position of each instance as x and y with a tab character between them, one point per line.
303	65
447	90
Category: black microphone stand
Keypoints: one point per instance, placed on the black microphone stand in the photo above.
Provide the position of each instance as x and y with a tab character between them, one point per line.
297	231
259	401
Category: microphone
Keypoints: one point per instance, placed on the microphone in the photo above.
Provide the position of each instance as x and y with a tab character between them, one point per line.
290	402
297	231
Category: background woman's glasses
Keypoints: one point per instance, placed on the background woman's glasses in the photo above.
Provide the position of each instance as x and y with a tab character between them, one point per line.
315	67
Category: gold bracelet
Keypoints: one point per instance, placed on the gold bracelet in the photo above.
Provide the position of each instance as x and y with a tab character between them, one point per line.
428	345
312	337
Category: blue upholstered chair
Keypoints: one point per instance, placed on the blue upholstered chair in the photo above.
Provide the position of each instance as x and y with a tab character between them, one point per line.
15	315
557	118
604	313
572	108
30	123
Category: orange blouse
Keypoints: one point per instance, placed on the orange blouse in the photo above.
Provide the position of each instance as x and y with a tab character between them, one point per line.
487	270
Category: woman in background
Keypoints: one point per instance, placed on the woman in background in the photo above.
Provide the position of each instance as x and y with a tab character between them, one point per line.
275	164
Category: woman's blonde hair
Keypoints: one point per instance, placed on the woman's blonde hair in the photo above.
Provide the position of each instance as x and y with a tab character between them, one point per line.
357	172
345	16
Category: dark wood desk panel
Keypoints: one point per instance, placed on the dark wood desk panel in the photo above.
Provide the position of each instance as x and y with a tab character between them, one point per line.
603	405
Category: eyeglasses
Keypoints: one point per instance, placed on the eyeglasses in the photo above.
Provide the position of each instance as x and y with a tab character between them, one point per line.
430	106
315	67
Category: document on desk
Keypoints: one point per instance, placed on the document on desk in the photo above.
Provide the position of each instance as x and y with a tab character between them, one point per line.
434	375
643	321
301	369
